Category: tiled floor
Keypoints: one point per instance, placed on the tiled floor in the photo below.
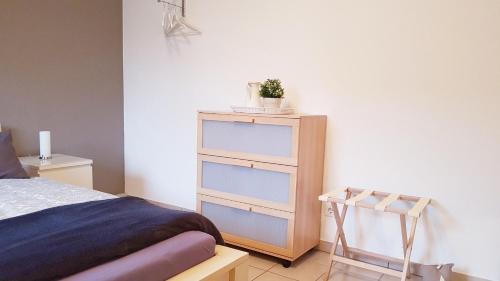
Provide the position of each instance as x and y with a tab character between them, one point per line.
311	267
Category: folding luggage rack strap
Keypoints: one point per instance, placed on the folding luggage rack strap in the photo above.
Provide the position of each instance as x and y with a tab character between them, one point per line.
354	197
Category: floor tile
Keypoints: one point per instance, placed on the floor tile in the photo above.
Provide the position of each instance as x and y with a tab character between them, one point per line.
268	276
303	270
262	261
310	267
392	278
254	272
318	256
322	277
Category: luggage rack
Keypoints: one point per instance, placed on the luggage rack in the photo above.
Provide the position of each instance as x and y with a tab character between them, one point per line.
354	197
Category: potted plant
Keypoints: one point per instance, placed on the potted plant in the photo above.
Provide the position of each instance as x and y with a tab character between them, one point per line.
272	93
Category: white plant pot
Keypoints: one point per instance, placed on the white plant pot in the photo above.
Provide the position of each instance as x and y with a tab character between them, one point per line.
271	102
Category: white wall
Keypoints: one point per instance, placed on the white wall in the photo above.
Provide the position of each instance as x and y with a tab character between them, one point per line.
411	90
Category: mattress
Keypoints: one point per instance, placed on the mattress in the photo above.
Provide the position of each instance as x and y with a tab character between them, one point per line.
24	196
157	262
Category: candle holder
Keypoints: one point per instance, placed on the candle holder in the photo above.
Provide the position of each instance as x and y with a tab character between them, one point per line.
44	157
45	147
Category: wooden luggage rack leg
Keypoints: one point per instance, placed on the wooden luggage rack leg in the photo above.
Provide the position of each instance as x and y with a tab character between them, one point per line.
339	219
333	199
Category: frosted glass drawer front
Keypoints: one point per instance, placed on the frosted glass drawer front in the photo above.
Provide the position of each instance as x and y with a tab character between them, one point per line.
258	139
246	225
273	140
258	227
250	182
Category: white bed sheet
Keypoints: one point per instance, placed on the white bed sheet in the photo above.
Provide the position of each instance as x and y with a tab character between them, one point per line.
24	196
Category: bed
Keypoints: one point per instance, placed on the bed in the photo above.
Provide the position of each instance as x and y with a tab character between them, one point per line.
191	255
185	255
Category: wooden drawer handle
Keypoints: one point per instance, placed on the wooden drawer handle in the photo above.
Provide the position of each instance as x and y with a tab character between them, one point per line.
245	121
246	165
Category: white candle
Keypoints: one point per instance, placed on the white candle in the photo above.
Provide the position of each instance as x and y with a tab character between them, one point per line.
45	152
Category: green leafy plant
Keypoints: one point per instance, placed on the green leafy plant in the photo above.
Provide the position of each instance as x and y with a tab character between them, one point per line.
272	89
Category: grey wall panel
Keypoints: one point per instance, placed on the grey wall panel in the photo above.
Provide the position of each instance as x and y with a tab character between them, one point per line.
61	70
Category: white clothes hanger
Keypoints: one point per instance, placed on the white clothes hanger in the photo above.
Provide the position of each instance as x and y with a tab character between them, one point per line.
168	23
182	28
175	25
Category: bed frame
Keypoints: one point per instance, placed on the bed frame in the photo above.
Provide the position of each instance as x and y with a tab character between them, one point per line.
228	264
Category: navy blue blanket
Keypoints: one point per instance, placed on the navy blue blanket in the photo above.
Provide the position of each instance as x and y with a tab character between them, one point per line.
61	241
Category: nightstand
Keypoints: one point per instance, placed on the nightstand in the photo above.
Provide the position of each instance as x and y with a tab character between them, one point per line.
62	168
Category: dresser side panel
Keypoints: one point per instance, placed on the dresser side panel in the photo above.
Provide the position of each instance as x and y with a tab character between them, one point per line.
312	137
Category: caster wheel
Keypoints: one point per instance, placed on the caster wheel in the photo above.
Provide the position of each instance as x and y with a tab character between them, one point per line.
286	263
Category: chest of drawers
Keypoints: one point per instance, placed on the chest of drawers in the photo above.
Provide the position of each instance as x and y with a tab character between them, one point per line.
259	178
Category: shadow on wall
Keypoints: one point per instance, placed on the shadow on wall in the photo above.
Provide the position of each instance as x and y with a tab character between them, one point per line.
436	218
135	183
18	144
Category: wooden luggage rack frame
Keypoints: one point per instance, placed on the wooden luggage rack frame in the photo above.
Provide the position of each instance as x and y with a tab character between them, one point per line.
354	197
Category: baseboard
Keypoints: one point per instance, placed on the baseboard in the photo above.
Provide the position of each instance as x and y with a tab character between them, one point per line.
390	262
168	206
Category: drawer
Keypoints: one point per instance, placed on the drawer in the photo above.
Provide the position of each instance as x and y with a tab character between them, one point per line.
262	139
78	175
248	225
257	183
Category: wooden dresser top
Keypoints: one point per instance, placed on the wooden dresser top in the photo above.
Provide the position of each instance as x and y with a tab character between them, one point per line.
289	116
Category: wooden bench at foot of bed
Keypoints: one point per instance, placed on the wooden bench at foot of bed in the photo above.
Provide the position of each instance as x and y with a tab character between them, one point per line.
227	265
